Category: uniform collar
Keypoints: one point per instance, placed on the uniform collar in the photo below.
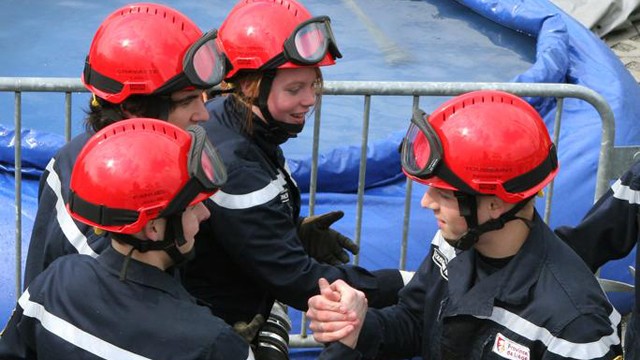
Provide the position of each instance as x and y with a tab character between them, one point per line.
509	285
141	273
259	133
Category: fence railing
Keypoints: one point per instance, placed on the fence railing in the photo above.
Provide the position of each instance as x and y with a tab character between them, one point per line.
612	161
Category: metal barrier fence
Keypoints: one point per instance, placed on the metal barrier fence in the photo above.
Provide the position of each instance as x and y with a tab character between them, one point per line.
612	161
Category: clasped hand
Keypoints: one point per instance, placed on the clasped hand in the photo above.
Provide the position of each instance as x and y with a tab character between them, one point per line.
338	313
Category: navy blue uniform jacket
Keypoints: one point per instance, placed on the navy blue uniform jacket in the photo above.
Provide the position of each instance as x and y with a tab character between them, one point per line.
79	309
610	231
55	232
248	252
544	304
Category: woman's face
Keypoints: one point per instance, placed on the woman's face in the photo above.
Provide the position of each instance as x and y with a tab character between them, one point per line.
293	94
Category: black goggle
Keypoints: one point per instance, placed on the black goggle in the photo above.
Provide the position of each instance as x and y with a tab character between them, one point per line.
308	44
422	154
206	171
203	66
422	151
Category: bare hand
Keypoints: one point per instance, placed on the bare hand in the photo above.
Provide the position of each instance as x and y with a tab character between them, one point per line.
337	314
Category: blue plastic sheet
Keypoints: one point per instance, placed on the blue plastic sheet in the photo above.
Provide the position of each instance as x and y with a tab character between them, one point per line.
565	52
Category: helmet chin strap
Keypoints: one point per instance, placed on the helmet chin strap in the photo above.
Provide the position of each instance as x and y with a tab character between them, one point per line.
468	205
173	238
175	234
279	131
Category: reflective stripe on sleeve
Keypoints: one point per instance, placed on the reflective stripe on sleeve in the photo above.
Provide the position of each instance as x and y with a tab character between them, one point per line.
66	223
556	345
71	333
624	192
255	198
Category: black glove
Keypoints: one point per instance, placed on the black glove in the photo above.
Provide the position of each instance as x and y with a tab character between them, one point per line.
249	331
324	244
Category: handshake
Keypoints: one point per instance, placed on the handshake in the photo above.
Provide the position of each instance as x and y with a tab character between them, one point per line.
338	313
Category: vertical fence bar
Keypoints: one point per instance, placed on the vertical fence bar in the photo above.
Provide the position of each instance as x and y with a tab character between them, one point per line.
67	116
405	224
313	184
407	207
17	175
362	172
556	140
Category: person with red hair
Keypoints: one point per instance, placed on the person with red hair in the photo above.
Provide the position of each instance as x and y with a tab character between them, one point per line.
257	248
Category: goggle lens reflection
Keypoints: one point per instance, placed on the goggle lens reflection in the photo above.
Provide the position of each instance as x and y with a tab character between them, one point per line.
311	42
207	63
421	150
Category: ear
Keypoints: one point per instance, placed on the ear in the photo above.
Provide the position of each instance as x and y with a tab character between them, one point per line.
153	230
496	207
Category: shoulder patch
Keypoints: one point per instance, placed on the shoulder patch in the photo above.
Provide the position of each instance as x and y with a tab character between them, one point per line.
442	253
510	349
441	261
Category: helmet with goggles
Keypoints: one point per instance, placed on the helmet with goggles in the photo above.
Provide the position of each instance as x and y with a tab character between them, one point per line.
140	169
144	49
269	34
481	143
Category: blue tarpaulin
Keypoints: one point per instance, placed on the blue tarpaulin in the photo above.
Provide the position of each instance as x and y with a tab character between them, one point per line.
565	52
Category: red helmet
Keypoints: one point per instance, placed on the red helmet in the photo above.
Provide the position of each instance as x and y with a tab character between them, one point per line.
483	142
270	34
139	169
144	49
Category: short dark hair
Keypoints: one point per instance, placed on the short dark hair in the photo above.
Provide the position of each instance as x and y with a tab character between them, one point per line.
102	113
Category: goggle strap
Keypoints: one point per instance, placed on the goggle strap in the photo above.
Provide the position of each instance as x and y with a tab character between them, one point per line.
100	214
334	51
176	83
535	176
182	199
518	184
452	179
99	81
274	62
